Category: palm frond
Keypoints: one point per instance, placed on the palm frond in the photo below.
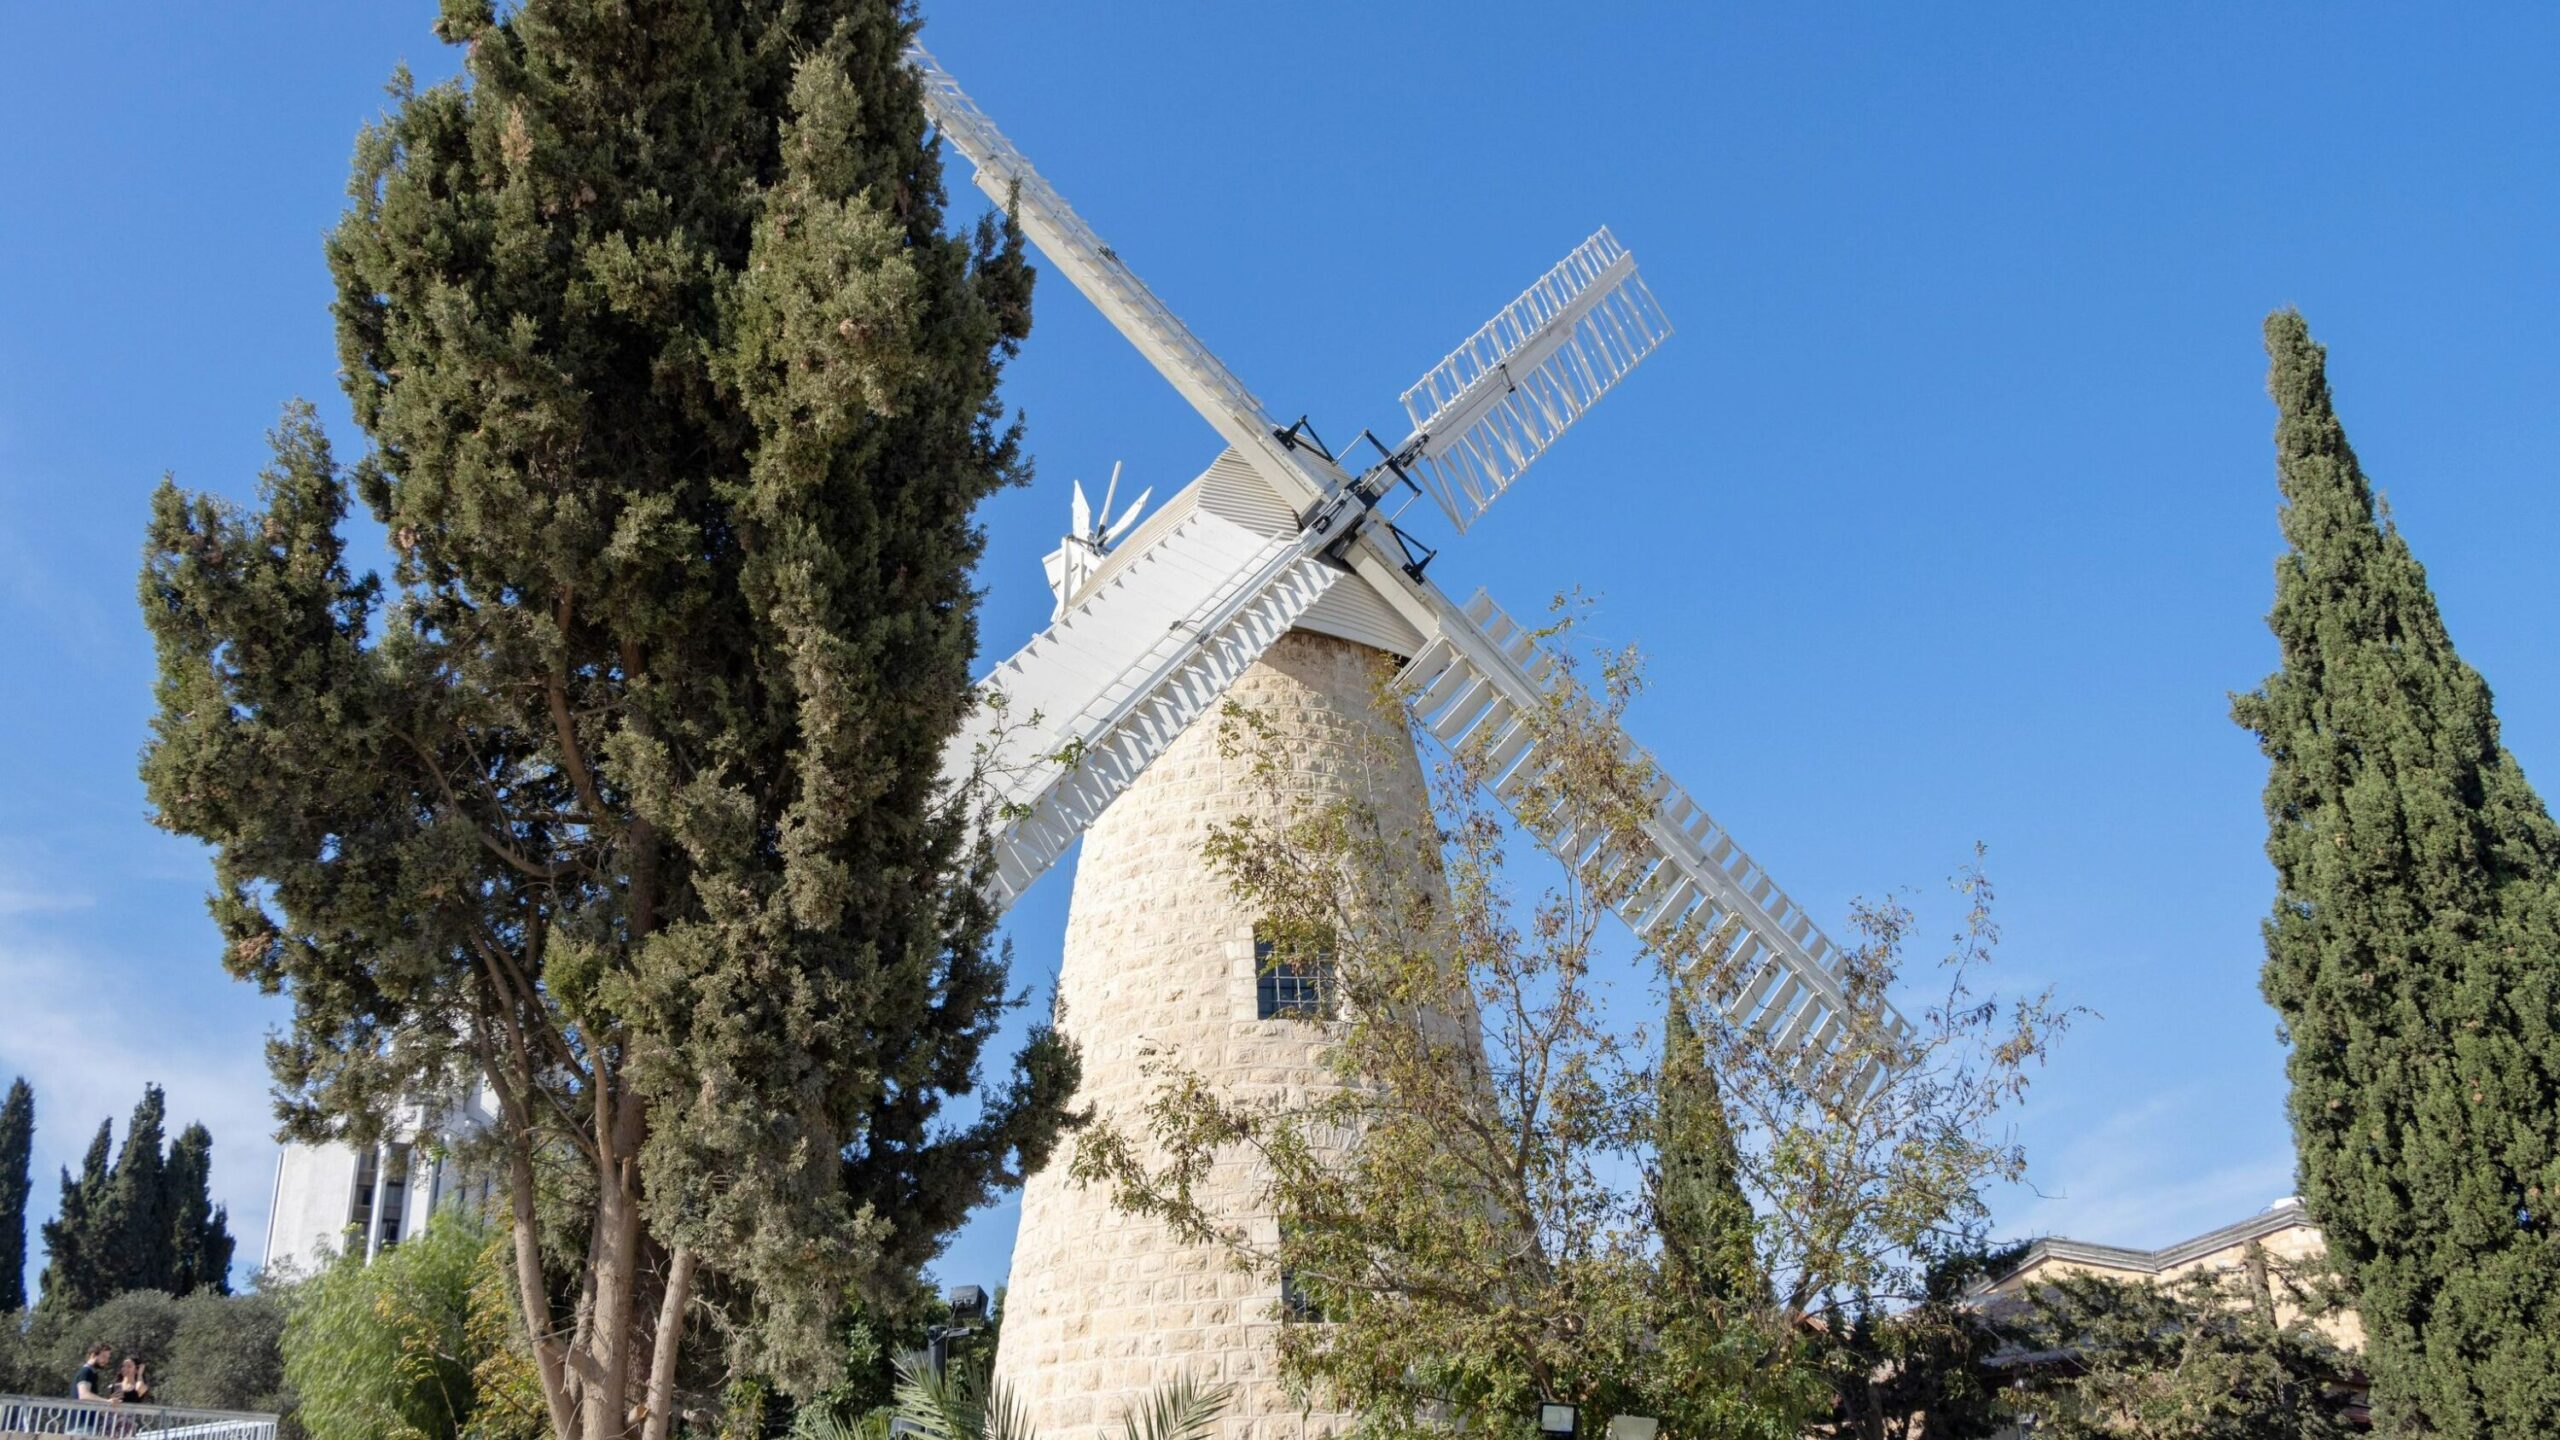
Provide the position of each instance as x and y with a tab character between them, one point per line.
946	1404
826	1425
1006	1417
1182	1409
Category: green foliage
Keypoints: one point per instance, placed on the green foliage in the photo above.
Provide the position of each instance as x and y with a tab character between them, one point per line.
228	1352
874	1336
1708	1232
2200	1358
621	791
384	1350
506	1392
17	1145
2411	952
79	1270
219	1352
960	1402
1182	1409
1923	1369
148	1222
1501	1195
200	1243
19	1349
134	1228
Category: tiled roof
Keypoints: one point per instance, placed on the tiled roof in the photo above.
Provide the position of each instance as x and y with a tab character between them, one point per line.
2284	1215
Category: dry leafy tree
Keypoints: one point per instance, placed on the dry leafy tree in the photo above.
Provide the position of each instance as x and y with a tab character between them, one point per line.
1504	1192
2216	1354
619	795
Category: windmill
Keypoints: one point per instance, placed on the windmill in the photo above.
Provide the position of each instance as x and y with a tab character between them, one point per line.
1260	578
1090	536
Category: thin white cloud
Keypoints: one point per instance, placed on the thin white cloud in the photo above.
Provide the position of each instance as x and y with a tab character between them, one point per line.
2121	1181
31	882
17	900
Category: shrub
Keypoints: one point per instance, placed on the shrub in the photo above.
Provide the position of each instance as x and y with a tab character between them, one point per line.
228	1353
382	1349
217	1352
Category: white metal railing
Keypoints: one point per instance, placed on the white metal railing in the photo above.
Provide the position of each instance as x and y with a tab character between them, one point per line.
27	1415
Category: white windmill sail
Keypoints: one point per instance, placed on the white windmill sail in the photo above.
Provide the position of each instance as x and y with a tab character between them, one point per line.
1171	611
1479	682
1065	724
1007	177
1166	628
1483	414
1068	722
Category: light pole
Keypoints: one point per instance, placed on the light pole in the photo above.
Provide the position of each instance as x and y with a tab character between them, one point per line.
968	1317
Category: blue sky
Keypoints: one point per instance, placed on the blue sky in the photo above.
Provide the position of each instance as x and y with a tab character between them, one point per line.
1947	516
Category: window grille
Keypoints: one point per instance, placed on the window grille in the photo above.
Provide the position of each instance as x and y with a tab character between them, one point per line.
1295	1303
1292	978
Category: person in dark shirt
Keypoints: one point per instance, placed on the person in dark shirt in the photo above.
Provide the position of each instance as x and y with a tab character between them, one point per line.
91	1382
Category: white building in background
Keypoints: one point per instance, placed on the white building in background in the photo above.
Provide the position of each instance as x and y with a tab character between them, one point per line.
339	1199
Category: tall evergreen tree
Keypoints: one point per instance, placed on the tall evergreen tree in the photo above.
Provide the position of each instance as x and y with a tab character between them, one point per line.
200	1242
77	1272
17	1149
133	1226
681	397
2414	953
1703	1217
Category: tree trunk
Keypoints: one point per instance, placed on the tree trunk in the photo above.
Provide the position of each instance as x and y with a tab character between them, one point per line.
612	1326
531	1298
670	1339
2262	1292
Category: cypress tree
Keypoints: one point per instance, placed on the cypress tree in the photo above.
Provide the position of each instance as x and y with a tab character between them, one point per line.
621	792
1701	1215
200	1242
17	1148
77	1276
2411	953
133	1226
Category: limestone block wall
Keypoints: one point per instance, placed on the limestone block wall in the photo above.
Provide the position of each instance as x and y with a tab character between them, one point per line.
1101	1306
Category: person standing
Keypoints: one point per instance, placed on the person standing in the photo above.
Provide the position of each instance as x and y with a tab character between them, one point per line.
90	1384
91	1381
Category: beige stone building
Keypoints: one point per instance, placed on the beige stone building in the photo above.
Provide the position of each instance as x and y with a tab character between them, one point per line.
2283	1231
1161	960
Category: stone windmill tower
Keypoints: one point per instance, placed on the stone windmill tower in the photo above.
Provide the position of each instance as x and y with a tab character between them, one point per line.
1279	577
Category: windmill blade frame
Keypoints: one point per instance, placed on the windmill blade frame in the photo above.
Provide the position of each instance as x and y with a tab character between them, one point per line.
1007	177
1479	683
1068	722
1571	336
1487	411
